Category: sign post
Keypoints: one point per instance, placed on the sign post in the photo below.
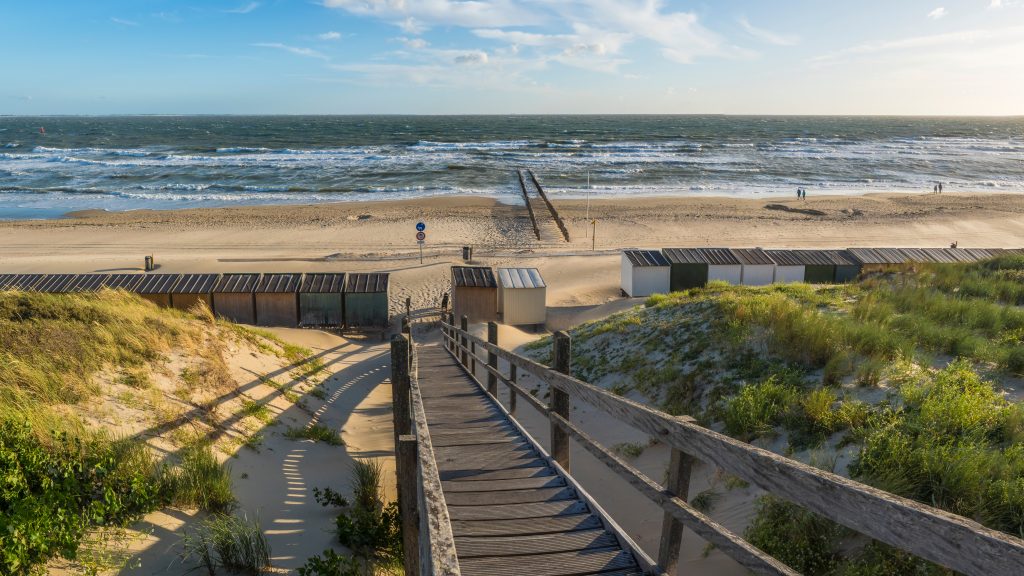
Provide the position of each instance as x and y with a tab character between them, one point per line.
421	237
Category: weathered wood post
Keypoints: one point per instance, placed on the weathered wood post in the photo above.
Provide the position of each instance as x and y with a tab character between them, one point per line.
492	359
400	385
406	326
678	483
512	391
408	501
408	307
465	328
560	399
472	358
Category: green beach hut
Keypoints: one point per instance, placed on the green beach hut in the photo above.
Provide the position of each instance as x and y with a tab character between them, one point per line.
322	299
366	300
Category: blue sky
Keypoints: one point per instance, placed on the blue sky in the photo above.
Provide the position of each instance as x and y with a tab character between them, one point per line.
512	56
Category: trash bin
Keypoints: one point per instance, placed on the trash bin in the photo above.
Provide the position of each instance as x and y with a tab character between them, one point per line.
467	253
149	264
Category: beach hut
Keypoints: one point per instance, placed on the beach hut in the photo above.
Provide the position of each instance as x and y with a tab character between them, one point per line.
156	288
366	299
23	282
322	299
788	267
692	267
474	293
522	296
122	281
645	272
827	266
757	268
277	300
233	297
877	259
191	289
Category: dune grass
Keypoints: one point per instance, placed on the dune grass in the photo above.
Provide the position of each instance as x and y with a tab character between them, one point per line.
233	543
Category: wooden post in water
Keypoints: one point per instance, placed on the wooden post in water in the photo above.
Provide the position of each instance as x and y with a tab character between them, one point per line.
678	483
560	400
511	391
400	385
408	501
465	328
492	359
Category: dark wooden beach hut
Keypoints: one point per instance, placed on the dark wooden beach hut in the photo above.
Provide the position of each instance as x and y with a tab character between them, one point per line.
474	293
191	289
322	299
156	288
23	282
366	299
277	300
827	266
233	297
694	267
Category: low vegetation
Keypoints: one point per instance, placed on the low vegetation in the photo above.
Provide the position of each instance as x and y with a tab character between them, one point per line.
316	433
909	368
228	542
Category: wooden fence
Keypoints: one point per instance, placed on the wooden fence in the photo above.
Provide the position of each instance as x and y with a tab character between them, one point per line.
932	534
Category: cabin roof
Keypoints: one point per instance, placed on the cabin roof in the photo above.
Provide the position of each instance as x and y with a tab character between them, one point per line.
366	283
752	256
243	283
473	277
646	258
278	284
156	284
520	278
711	256
824	257
195	284
122	281
323	283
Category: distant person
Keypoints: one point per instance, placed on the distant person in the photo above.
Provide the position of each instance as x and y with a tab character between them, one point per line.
805	193
940	187
935	189
798	193
444	302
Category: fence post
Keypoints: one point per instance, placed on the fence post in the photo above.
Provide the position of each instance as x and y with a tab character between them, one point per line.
492	359
560	399
678	483
462	339
512	391
408	502
406	326
400	384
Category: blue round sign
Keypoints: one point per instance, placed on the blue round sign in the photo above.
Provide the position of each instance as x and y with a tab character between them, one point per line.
420	226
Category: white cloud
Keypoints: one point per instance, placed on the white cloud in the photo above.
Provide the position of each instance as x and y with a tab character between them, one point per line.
939	12
124	22
414	16
767	35
300	51
414	43
961	38
244	9
329	36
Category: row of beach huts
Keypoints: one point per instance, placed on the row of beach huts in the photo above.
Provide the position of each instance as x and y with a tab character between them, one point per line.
646	272
288	300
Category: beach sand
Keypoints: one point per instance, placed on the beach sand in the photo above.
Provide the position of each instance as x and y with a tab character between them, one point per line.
583	283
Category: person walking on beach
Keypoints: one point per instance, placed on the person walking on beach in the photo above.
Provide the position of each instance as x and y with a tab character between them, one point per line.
798	193
935	189
940	187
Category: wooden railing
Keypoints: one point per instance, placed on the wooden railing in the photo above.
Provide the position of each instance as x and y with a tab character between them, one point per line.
551	207
929	533
427	540
529	206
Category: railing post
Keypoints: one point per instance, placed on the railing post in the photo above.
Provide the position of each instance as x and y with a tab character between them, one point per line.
472	358
512	391
678	483
465	328
400	385
492	359
560	399
406	326
408	501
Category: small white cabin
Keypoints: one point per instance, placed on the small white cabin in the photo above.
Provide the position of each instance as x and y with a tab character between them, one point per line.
788	266
758	268
522	296
644	272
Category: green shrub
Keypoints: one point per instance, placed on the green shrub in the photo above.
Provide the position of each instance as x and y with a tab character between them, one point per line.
201	481
315	432
332	564
369	527
758	408
800	539
229	542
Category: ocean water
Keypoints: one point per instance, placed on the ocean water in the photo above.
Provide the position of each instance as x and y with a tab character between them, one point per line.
124	163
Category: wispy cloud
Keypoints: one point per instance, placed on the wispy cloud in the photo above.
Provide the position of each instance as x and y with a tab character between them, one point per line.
329	36
297	50
415	16
963	37
245	9
939	12
123	22
767	35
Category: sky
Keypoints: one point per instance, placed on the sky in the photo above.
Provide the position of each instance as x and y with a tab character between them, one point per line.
905	57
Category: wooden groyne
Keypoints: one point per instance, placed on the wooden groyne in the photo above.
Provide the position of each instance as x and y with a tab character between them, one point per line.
551	207
529	205
929	533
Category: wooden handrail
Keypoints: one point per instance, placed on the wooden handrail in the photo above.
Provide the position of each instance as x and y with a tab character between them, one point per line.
529	207
930	533
551	207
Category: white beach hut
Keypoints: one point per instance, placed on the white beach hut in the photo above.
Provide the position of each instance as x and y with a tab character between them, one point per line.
758	268
788	266
522	296
644	272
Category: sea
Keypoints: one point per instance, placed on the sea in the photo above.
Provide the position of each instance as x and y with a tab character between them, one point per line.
52	165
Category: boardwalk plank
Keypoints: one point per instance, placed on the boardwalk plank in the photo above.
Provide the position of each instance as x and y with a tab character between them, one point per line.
477	547
516	527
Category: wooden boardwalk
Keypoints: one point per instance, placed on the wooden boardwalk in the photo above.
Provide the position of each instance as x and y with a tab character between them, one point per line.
511	511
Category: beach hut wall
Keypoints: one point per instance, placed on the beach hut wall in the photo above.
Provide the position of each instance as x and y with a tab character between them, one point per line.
156	288
24	282
277	300
757	268
474	293
122	281
645	272
366	299
522	296
322	299
788	268
233	297
695	267
191	289
88	283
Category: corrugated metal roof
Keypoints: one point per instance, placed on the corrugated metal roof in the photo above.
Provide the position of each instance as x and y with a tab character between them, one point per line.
960	255
642	258
236	283
916	255
24	281
88	283
57	283
6	279
195	284
713	256
156	284
520	278
279	283
123	281
824	257
752	256
977	253
940	255
364	283
877	255
784	257
473	277
323	283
